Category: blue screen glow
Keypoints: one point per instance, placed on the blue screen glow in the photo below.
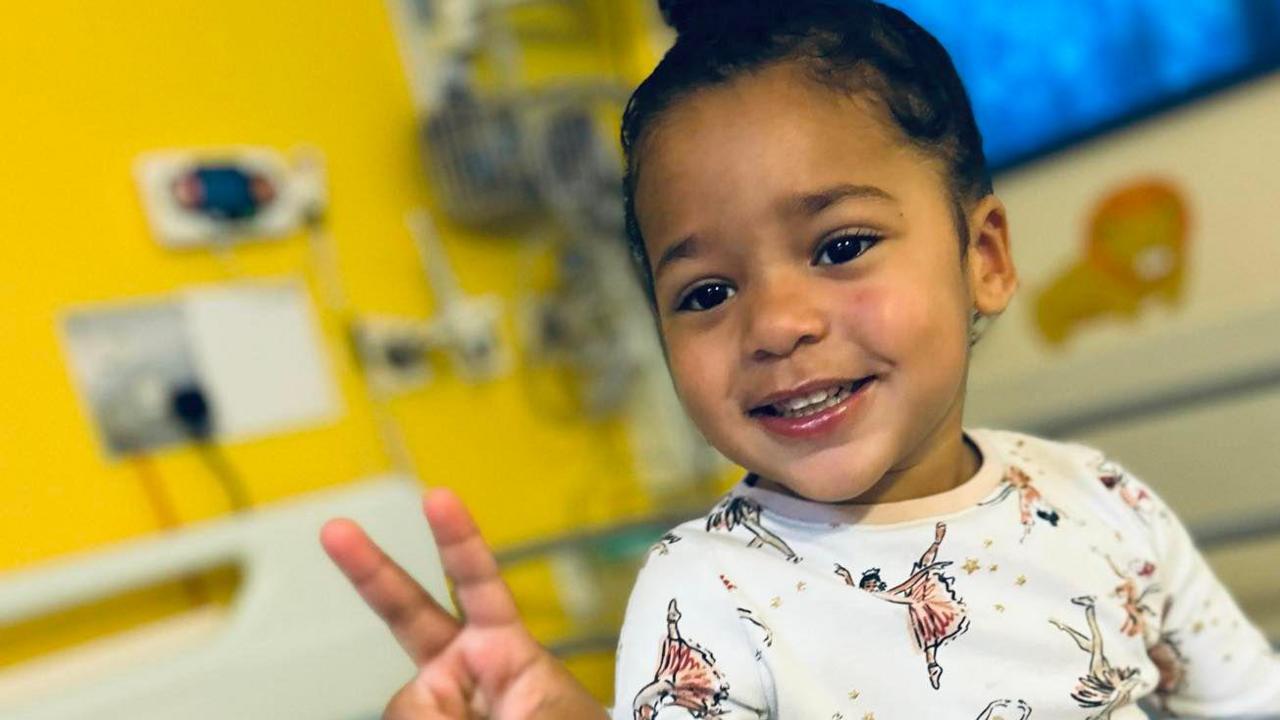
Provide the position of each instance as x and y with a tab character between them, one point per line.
1044	73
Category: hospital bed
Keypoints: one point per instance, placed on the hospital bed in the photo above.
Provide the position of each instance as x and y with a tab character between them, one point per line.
295	642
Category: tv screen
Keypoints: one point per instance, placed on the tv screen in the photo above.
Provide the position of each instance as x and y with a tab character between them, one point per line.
1046	74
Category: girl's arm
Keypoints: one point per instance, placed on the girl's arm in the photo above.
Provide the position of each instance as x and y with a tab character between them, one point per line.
1214	662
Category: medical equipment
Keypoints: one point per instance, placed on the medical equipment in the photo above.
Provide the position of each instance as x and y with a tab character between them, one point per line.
541	162
196	198
395	351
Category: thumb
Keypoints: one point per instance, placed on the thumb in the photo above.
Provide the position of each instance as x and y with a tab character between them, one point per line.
425	698
413	702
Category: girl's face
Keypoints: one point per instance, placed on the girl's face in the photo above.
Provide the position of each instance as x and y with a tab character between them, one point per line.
802	247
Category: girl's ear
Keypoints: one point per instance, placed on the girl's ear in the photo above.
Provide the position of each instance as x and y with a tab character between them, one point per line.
989	257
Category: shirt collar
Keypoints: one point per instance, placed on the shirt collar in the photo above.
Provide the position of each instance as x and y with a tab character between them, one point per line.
962	497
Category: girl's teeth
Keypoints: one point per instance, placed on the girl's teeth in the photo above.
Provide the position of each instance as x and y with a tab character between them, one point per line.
817	397
815	403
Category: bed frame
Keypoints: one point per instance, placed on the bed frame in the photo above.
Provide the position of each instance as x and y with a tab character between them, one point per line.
295	642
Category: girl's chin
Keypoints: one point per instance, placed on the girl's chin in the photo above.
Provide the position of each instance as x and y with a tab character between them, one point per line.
836	496
833	490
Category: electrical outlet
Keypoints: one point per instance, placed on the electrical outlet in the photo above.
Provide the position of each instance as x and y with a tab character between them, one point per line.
469	328
126	361
252	350
394	352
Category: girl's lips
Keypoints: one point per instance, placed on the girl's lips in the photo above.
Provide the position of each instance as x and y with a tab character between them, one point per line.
819	423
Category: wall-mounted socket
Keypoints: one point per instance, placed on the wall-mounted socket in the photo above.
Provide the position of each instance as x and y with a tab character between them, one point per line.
468	330
252	350
126	360
395	353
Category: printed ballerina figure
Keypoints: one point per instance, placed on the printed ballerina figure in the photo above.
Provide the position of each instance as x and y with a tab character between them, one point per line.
663	546
1106	686
687	677
1031	504
1135	608
935	614
1001	709
1135	496
766	635
735	511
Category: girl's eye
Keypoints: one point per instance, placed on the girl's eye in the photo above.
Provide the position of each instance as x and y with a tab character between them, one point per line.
844	248
705	297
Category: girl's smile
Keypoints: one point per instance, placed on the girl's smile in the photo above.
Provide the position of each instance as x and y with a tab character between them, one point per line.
813	409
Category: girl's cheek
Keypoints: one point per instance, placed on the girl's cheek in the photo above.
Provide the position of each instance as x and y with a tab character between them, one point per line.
694	364
878	315
899	322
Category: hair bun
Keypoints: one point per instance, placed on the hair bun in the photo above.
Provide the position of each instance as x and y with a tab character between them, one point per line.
681	14
688	16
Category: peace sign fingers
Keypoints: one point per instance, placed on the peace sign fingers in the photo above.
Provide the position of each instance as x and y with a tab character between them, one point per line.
417	621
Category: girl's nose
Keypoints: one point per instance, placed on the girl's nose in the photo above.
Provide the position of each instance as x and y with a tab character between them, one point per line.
781	318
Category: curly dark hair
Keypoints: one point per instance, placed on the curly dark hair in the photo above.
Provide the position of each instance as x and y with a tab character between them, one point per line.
850	46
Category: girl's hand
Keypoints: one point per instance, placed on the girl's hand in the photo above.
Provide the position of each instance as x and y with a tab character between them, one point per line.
486	665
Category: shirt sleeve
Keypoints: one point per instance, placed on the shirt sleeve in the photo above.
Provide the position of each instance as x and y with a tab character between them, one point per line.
1213	661
683	651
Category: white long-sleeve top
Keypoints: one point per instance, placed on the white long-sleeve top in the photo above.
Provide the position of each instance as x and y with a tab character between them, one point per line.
1053	584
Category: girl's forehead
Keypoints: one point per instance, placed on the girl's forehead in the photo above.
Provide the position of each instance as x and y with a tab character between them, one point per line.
747	145
779	96
775	124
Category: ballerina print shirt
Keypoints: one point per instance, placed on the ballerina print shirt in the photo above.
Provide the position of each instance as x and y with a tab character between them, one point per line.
1052	584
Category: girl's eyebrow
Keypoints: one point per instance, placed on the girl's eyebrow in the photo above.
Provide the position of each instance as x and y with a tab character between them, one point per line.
815	202
686	248
804	204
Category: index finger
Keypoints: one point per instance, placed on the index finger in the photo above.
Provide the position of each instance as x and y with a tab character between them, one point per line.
417	621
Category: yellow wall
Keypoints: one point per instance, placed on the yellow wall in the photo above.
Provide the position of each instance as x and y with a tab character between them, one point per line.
89	86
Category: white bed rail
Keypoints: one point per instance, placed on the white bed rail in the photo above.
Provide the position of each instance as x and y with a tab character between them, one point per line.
297	642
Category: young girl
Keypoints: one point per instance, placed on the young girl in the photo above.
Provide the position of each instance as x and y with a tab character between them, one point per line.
810	209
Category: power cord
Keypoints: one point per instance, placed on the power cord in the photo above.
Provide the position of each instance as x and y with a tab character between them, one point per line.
190	407
167	517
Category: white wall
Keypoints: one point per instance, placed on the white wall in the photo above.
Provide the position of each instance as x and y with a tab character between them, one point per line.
1215	459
